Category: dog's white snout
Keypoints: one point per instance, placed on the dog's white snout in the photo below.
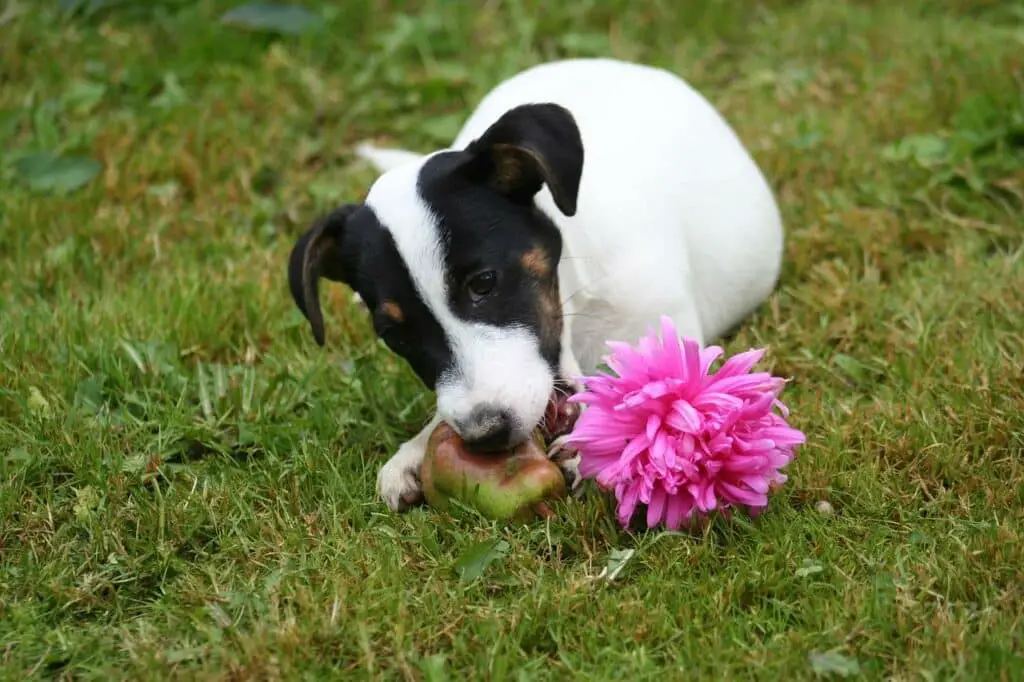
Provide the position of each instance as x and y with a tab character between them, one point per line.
498	389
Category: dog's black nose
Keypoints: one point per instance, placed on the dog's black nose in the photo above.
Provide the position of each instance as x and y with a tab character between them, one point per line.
488	430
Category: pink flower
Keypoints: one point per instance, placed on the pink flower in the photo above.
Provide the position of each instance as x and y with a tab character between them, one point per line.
669	433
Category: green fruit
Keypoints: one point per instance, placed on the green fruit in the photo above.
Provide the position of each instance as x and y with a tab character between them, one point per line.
512	485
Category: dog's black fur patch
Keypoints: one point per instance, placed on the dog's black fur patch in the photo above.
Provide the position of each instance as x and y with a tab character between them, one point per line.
484	230
483	198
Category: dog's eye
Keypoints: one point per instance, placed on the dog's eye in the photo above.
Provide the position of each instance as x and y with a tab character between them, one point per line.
481	284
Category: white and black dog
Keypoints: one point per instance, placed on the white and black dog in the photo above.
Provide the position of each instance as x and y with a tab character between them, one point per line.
582	200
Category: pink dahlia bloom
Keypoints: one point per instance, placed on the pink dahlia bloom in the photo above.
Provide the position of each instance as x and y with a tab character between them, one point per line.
669	433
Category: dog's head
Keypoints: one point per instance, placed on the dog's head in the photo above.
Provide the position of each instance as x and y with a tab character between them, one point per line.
459	269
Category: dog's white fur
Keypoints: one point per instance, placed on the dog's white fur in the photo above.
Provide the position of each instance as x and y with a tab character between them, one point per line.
674	217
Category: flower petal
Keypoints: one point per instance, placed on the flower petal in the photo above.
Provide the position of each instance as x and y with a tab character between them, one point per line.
653	426
627	504
673	353
708	357
656	508
684	417
679	507
691	352
635	447
741	363
738	495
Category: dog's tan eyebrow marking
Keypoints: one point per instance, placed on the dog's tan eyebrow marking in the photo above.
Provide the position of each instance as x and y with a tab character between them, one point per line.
392	310
536	262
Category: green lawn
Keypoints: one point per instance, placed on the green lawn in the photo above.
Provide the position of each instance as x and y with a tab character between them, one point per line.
188	481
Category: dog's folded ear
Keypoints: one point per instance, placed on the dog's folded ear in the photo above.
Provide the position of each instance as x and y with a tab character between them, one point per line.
529	146
317	254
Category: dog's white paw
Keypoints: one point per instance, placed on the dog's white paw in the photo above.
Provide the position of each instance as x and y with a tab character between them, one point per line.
568	460
398	481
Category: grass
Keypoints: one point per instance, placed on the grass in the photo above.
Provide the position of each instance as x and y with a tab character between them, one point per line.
188	481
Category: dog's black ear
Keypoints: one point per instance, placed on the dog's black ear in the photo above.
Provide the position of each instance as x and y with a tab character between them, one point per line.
531	145
317	254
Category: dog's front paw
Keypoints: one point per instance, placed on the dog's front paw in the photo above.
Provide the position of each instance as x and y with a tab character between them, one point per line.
568	460
398	482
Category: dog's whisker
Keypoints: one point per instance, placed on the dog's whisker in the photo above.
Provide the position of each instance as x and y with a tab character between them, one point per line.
564	391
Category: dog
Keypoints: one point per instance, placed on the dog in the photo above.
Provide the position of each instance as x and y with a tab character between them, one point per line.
582	200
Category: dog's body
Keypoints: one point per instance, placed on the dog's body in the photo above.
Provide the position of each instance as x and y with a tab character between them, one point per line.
582	200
